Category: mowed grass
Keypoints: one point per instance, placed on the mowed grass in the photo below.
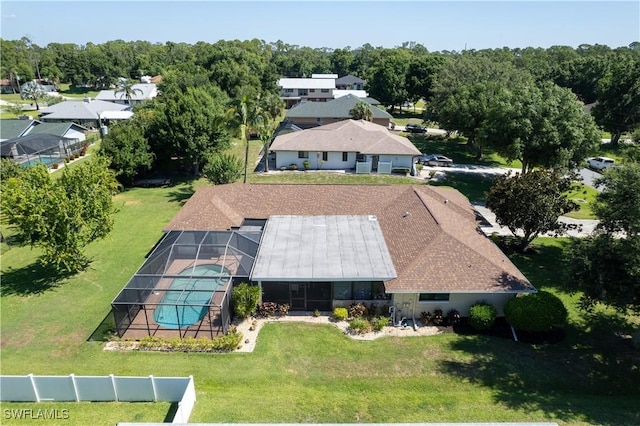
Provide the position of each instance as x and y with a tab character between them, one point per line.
311	373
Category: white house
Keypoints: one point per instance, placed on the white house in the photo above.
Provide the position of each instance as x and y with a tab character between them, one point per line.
344	144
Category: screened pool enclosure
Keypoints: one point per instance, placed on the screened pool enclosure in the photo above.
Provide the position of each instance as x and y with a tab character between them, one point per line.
184	287
40	148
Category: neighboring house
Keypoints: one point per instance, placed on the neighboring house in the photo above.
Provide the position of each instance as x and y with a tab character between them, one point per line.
294	90
7	86
86	113
404	249
39	148
344	144
311	114
140	92
350	82
67	130
14	128
320	88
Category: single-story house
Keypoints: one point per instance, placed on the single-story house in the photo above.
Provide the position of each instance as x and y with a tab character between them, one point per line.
87	112
344	144
67	130
139	93
405	249
39	148
311	114
14	128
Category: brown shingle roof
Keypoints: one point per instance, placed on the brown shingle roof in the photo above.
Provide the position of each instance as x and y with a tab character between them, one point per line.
436	247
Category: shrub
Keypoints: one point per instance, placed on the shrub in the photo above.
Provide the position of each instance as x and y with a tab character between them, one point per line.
482	315
228	342
222	168
425	318
378	323
360	325
340	314
316	313
306	164
54	166
357	310
453	317
293	167
270	309
437	318
245	300
283	309
536	313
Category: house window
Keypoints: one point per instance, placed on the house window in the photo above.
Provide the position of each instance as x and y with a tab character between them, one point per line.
345	156
324	90
312	90
434	297
288	90
325	156
303	154
302	92
342	291
359	290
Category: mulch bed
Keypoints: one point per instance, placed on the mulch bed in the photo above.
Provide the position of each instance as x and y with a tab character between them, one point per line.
502	330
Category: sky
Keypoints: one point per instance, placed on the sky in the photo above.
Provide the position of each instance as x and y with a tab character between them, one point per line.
437	25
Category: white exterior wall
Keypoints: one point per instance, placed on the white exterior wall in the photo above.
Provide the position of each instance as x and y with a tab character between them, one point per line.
408	305
75	134
334	160
395	160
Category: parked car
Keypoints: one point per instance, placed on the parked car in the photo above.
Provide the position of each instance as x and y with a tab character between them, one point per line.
601	163
435	160
414	128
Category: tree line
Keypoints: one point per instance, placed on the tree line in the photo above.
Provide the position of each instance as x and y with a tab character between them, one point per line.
394	75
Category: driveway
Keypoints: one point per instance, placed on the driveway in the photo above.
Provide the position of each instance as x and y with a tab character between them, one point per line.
589	177
577	227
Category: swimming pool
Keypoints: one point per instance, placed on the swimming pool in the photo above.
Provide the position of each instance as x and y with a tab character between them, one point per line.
48	161
182	305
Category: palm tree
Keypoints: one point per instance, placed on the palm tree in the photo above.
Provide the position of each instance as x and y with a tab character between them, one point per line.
125	87
33	91
246	115
361	111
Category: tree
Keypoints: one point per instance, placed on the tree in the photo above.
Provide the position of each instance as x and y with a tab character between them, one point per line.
361	111
245	114
606	266
618	93
62	216
222	168
33	91
618	205
128	151
421	76
388	81
189	126
529	204
463	92
124	88
542	126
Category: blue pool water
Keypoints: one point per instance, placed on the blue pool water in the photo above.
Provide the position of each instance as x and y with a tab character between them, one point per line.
181	306
47	161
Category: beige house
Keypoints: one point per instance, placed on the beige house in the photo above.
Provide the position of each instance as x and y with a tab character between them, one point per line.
344	145
409	248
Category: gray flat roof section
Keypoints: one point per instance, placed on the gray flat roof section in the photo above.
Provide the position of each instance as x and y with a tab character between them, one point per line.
323	248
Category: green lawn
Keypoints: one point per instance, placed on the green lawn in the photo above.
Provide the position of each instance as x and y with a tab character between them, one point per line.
311	373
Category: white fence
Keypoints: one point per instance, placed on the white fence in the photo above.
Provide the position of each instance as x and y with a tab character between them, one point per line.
363	167
384	167
32	388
